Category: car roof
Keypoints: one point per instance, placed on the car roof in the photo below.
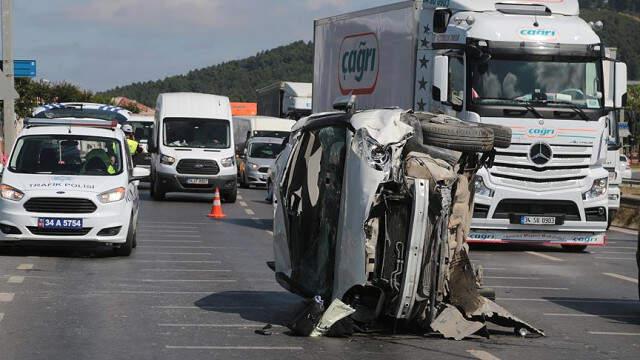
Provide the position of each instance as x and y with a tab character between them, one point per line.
267	140
72	130
114	112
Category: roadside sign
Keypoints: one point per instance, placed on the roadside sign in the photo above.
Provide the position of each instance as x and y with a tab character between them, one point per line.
23	68
623	129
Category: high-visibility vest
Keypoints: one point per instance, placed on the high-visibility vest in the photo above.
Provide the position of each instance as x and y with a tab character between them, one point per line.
133	146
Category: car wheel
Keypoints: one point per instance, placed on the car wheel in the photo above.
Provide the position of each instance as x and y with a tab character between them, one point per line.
230	196
157	193
269	197
126	248
458	136
575	248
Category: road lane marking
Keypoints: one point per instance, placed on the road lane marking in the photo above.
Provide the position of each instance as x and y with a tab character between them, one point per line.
621	277
174	222
544	256
186	270
624	231
249	212
160	226
167	231
6	297
278	348
577	301
188	280
526	287
482	355
197	247
174	241
172	253
179	261
613	258
25	267
613	333
1	317
147	237
16	280
613	252
593	315
239	197
621	247
243	204
510	278
270	232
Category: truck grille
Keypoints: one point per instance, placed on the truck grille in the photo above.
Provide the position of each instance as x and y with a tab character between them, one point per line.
58	232
198	167
568	209
60	205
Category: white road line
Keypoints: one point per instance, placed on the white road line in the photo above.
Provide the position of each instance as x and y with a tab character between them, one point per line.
1	317
614	252
240	197
576	301
187	270
493	268
621	277
196	247
174	222
527	287
510	278
620	247
482	355
280	348
147	237
167	231
270	232
624	231
188	280
16	280
25	267
249	212
613	333
179	261
172	253
157	226
243	204
6	297
613	258
544	256
174	241
593	315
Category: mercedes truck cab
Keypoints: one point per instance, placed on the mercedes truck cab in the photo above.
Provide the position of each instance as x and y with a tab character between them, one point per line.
192	146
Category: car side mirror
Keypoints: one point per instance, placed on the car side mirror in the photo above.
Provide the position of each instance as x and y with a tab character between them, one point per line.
140	174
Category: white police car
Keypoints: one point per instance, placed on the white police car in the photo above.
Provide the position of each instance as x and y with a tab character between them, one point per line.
70	179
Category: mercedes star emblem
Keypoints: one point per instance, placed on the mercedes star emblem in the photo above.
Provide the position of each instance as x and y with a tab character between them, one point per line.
540	153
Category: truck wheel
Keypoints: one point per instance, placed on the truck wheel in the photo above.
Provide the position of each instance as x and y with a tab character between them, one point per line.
229	196
126	248
501	135
458	136
157	193
575	248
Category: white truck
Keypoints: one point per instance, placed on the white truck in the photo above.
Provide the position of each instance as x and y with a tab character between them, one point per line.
532	65
285	99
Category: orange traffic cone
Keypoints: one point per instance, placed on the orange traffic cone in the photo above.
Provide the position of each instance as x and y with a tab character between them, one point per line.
216	209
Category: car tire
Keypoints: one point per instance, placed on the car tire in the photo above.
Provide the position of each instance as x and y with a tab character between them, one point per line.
501	135
575	248
269	197
126	248
458	136
157	193
230	196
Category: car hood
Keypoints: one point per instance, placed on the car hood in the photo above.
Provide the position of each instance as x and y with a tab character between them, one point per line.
86	184
261	162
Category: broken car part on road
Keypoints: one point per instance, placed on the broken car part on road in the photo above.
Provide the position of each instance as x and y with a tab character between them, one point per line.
373	211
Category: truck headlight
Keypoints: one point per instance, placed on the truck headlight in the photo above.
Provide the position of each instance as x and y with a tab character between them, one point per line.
598	189
481	188
112	195
228	162
167	160
11	193
253	166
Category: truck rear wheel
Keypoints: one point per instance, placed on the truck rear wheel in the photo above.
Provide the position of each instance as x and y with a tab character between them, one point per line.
458	136
575	248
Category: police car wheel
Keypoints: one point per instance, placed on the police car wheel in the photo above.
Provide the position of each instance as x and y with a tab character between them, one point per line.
126	248
157	193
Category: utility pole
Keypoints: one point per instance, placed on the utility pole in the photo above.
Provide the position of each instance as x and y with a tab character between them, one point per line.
9	116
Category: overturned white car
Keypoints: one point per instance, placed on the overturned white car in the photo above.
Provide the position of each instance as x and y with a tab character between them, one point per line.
373	209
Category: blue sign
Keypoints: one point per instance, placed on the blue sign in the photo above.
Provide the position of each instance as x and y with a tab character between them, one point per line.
24	68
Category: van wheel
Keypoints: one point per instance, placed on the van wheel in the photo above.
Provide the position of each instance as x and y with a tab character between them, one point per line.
575	248
229	196
156	192
458	136
126	248
501	135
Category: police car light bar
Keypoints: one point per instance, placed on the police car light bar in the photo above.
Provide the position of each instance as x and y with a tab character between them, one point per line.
107	124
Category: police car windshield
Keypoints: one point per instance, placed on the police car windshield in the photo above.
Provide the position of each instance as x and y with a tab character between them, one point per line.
80	113
197	133
67	155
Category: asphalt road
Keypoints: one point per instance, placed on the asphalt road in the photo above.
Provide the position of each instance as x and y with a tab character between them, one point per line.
198	289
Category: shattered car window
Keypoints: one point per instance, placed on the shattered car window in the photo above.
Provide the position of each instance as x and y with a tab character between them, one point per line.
312	202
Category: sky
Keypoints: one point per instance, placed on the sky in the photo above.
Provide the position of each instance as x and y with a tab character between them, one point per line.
100	44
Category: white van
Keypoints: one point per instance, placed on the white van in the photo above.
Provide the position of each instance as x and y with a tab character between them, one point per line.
192	146
142	132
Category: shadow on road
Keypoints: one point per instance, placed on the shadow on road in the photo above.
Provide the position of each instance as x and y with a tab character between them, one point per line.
268	307
261	224
617	310
58	251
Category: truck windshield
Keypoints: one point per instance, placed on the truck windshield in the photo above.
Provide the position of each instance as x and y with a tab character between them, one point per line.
142	130
510	81
264	150
66	155
197	133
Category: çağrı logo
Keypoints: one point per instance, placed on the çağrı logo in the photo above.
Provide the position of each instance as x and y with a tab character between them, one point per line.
539	34
359	64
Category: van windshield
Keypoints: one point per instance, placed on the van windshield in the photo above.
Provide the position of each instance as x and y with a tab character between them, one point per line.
67	155
197	133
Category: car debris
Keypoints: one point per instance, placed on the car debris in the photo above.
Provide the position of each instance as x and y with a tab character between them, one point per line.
372	213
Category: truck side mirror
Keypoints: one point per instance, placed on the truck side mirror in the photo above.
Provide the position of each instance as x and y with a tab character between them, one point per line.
615	84
440	78
620	100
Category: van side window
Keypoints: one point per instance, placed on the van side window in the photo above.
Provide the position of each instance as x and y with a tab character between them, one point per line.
456	81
